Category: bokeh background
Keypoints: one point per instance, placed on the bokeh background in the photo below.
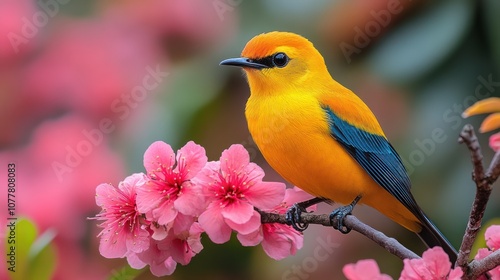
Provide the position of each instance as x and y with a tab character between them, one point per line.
86	86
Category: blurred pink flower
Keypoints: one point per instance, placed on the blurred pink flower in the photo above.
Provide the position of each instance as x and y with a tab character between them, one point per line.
169	189
495	142
124	228
183	27
97	67
18	32
233	187
279	240
56	185
364	270
434	264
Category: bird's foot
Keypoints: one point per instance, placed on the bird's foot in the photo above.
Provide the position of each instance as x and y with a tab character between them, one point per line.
293	214
340	213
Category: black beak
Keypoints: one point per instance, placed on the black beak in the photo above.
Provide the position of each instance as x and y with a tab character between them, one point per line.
243	62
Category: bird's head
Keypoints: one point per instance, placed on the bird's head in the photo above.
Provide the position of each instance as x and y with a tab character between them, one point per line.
278	61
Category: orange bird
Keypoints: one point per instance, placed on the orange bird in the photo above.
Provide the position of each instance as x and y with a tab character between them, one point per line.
321	137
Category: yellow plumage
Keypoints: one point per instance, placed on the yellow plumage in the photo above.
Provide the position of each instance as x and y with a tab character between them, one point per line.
320	136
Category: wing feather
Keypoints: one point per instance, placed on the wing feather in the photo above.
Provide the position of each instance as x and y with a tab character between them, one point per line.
377	157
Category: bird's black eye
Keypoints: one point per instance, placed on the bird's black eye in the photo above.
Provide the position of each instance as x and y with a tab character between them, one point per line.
280	60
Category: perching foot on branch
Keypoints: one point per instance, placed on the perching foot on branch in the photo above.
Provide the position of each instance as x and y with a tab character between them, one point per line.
340	213
293	214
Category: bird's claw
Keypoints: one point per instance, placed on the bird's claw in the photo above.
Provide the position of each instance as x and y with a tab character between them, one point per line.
340	214
293	217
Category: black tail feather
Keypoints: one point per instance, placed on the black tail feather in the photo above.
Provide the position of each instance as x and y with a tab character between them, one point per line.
432	237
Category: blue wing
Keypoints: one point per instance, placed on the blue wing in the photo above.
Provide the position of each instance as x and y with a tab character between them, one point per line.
376	155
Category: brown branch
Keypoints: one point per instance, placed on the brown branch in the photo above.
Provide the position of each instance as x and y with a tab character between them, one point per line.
479	267
390	244
494	169
483	190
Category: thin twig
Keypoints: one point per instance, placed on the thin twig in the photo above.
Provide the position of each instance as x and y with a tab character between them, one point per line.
479	267
494	169
390	244
483	190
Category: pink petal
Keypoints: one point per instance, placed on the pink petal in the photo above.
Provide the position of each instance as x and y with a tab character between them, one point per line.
147	197
190	201
409	272
251	239
207	179
281	241
105	195
180	251
482	253
250	226
234	160
195	244
434	263
492	236
183	223
238	212
130	184
159	233
134	261
112	245
191	159
158	155
277	247
165	213
437	261
266	195
296	195
364	270
166	267
214	225
495	142
138	242
455	274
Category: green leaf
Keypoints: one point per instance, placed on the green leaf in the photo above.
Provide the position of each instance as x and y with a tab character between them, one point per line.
42	257
32	257
21	234
126	273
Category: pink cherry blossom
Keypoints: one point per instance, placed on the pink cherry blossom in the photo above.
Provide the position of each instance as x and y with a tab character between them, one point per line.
183	245
233	186
495	142
279	240
364	270
434	264
160	261
483	253
123	227
169	189
492	236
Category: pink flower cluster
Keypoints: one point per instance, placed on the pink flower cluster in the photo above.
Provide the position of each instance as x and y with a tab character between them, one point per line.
492	236
157	218
434	264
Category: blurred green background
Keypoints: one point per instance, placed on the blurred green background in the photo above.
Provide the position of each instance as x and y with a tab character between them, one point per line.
86	86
